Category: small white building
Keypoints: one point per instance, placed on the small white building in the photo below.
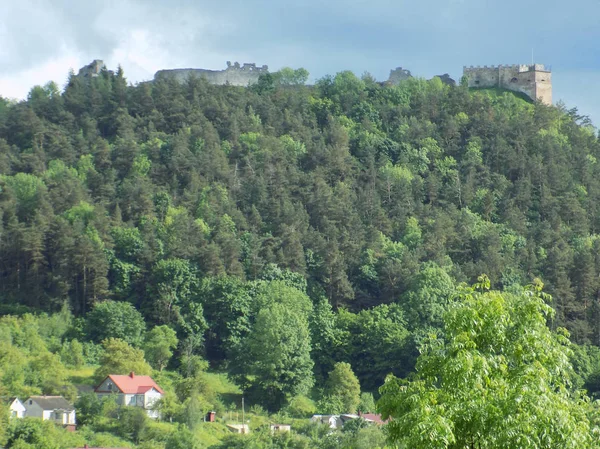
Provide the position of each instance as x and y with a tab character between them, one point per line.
280	428
132	390
15	407
239	428
333	421
52	408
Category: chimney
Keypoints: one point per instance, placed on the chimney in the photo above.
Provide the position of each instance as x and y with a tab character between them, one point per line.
132	374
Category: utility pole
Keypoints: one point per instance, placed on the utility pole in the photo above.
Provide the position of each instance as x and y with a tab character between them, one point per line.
243	417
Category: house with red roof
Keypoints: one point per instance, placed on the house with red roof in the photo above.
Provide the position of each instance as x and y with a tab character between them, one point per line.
132	390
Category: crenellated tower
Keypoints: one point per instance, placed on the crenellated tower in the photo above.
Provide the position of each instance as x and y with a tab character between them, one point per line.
533	80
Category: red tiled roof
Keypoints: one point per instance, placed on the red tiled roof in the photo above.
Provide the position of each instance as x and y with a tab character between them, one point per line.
133	384
372	417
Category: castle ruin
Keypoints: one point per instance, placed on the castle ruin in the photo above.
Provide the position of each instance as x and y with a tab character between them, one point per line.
533	80
234	74
398	74
93	69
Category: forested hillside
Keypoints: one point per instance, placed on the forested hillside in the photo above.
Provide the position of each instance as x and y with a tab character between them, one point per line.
278	230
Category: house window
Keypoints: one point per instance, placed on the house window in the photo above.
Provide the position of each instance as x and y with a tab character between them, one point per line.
30	402
514	80
477	82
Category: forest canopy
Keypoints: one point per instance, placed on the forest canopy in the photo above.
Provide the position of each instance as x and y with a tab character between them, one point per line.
296	237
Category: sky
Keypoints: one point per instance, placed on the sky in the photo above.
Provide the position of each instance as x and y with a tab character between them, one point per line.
40	40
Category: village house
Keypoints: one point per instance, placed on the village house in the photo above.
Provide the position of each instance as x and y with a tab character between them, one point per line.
372	418
15	407
51	408
338	421
239	428
132	390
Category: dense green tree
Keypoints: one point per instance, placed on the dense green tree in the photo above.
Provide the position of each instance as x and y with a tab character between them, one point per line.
32	433
376	343
499	377
158	346
343	383
276	354
112	319
121	358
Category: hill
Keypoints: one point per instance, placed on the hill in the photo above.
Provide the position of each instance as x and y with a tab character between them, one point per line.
275	231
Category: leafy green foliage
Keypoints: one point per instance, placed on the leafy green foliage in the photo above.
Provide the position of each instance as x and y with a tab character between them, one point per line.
120	358
159	345
277	354
111	319
498	378
272	232
32	433
343	383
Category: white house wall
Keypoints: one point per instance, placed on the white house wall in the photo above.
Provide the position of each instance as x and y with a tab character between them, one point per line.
151	397
17	409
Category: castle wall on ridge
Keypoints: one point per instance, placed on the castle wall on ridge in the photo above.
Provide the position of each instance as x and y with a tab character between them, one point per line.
533	80
235	74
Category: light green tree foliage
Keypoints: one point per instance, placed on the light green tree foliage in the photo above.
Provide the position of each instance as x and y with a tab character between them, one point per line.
4	420
343	383
33	433
278	355
499	378
367	403
301	407
89	408
173	281
427	298
291	77
112	319
26	364
182	439
275	356
330	405
72	353
28	191
121	358
159	345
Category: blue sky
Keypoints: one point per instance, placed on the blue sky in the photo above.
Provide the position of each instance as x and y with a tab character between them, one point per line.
41	40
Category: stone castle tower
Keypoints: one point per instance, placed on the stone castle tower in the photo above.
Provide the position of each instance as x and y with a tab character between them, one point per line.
534	80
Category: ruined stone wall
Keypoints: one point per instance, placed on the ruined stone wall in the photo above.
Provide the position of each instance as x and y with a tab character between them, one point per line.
481	76
533	80
398	74
92	69
234	74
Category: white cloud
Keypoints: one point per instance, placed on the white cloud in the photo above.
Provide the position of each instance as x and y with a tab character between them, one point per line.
17	85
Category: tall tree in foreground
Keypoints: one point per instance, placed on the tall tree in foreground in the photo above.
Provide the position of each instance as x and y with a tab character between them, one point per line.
498	378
